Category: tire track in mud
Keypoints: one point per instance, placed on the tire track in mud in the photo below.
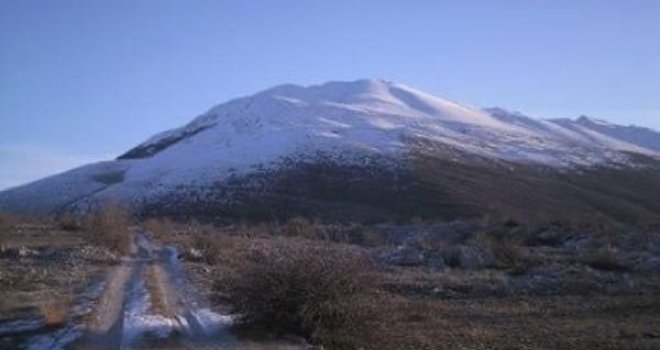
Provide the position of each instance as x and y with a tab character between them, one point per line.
141	307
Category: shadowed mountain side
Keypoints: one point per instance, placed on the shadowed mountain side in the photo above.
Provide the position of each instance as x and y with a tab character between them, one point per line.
431	185
536	194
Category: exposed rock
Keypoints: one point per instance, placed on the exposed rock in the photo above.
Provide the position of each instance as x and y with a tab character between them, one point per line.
195	254
25	252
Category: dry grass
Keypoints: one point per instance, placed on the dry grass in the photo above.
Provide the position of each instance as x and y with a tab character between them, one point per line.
318	292
503	242
301	227
69	222
159	228
109	226
5	229
289	283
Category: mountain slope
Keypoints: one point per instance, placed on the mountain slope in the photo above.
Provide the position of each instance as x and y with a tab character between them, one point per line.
347	145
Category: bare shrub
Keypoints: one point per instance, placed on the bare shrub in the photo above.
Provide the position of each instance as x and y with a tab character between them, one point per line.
159	228
507	252
301	227
5	228
109	226
606	258
204	242
430	242
369	238
209	247
320	293
69	222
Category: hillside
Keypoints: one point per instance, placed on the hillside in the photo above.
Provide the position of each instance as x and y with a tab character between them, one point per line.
367	150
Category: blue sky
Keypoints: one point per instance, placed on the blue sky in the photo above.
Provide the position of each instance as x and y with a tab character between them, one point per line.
85	80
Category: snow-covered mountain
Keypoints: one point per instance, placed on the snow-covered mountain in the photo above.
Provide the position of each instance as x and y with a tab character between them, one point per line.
363	124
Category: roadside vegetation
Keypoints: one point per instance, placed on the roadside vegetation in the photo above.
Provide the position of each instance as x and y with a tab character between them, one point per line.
321	293
109	226
495	282
47	261
480	284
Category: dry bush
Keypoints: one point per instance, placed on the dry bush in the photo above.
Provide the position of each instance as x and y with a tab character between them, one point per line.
506	251
54	312
430	242
109	226
320	293
204	242
605	258
301	227
159	228
209	245
252	230
5	229
69	222
369	238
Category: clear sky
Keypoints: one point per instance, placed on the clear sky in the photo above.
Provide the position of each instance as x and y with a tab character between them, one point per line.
84	80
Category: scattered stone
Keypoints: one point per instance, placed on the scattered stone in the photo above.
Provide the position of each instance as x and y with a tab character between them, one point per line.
26	252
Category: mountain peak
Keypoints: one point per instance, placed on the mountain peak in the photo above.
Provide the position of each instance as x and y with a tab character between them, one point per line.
333	90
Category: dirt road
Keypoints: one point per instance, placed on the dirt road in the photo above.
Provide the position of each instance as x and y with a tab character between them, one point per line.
147	302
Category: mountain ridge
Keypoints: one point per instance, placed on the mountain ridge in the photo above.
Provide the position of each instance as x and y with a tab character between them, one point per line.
365	132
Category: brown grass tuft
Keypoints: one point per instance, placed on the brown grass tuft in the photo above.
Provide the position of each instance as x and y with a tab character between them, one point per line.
109	226
54	312
5	228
